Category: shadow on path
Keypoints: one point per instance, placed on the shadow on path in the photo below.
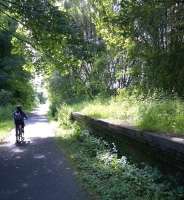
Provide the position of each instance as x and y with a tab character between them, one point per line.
37	169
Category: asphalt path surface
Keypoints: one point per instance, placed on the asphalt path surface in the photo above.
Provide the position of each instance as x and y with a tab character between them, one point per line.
37	169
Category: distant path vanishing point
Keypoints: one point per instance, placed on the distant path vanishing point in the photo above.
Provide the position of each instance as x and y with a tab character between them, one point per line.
36	170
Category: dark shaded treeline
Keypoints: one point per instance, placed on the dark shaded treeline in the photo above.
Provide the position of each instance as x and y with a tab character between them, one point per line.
14	80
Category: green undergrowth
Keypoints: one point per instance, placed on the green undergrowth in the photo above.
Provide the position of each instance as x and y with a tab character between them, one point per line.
112	178
164	115
6	123
5	127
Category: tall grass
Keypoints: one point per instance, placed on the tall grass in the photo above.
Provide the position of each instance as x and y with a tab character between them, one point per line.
152	114
5	120
166	115
114	109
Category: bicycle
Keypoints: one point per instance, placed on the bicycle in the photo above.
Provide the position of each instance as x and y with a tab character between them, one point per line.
20	134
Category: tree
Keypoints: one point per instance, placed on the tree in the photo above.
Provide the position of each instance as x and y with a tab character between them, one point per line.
15	87
156	28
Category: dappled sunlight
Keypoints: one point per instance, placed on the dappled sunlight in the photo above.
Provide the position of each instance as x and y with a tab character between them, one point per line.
39	129
17	150
36	170
120	63
176	139
36	126
39	156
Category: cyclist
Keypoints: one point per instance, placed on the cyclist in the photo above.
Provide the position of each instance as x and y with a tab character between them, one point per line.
19	117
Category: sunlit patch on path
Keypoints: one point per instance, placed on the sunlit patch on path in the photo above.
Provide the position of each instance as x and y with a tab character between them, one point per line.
36	169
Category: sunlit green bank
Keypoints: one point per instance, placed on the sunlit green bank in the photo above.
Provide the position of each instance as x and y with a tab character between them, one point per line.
5	121
5	128
159	115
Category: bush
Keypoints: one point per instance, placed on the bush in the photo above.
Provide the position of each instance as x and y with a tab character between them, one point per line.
113	178
5	97
53	111
6	113
64	116
166	116
6	120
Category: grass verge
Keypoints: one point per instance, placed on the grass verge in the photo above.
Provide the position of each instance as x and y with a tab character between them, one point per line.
6	123
5	128
110	178
158	115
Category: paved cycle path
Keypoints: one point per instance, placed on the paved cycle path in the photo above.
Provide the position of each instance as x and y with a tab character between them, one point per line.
36	170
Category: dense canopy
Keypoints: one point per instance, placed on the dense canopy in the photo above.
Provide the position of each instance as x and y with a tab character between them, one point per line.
91	47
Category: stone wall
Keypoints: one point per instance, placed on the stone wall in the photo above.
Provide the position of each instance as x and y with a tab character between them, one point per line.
170	150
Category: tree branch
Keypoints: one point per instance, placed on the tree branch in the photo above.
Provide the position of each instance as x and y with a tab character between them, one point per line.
18	21
45	55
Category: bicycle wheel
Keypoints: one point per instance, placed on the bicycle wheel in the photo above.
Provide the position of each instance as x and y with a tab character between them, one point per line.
19	133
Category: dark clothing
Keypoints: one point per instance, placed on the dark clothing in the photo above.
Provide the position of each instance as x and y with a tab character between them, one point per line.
19	117
17	127
19	120
20	123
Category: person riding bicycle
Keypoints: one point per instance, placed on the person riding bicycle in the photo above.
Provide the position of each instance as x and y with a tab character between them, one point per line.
19	117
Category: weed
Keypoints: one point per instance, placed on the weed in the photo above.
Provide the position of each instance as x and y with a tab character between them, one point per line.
160	115
111	178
